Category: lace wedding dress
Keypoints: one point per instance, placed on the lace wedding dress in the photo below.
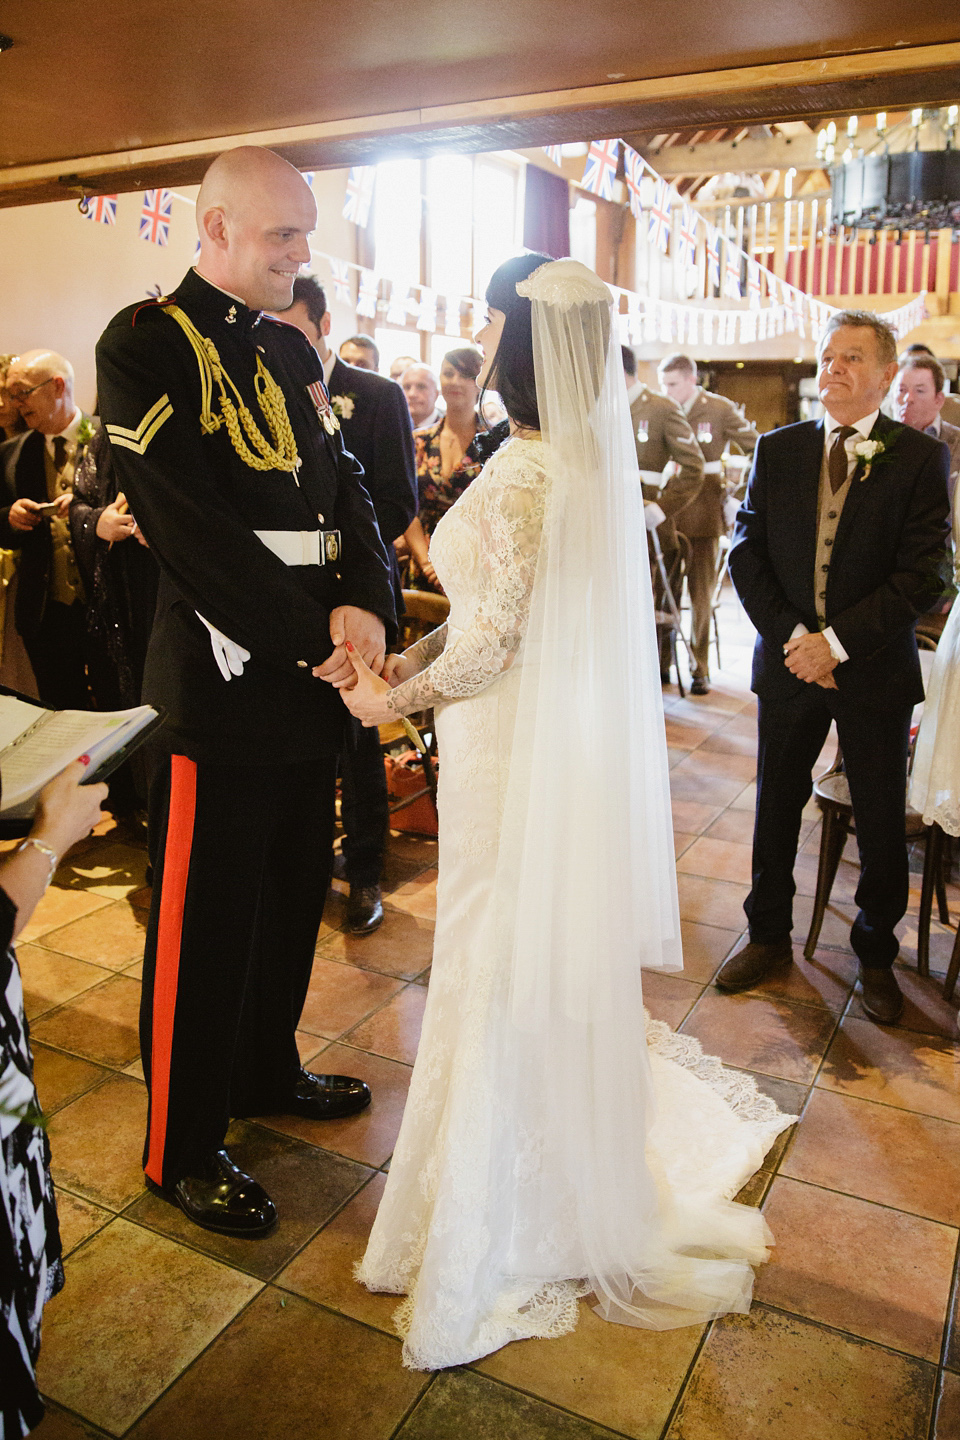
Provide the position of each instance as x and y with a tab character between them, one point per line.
538	1162
935	776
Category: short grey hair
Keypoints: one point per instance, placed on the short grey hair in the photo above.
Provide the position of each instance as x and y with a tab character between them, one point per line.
865	320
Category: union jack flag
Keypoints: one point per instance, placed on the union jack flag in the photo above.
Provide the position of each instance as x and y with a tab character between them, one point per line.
356	206
660	215
731	272
308	176
155	216
753	284
633	171
102	209
341	281
600	170
369	293
713	255
687	238
553	152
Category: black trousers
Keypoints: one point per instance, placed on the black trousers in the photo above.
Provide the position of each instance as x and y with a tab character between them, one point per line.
58	654
874	742
241	859
364	808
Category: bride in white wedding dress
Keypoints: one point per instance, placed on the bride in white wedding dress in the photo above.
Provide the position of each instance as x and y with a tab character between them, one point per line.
555	1143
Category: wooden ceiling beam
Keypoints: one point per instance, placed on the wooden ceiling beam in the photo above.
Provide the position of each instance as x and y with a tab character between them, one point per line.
747	95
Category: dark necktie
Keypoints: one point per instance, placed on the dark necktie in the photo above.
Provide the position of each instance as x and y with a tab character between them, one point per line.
837	461
59	453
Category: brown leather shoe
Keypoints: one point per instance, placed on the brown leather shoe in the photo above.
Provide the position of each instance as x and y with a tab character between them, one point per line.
752	964
880	995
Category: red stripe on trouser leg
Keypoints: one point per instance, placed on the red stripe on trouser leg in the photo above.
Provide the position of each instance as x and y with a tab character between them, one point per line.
176	867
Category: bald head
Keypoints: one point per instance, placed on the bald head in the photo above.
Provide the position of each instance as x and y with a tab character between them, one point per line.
40	384
419	385
254	214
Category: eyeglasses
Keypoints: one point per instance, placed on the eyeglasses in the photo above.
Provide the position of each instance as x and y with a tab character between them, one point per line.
18	396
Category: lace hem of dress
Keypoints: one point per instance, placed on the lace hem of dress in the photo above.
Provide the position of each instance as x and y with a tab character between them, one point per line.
946	815
739	1090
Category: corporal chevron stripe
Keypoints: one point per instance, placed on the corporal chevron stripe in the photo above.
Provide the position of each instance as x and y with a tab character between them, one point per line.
138	440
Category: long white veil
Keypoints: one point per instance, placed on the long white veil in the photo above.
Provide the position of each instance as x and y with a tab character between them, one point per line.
585	892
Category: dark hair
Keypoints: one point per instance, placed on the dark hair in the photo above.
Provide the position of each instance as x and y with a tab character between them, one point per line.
629	360
917	360
466	361
308	289
512	373
365	343
917	349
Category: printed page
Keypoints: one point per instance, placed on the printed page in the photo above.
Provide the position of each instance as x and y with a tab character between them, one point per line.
66	735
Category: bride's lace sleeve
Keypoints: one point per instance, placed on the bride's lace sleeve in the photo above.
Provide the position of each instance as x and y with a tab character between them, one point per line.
511	522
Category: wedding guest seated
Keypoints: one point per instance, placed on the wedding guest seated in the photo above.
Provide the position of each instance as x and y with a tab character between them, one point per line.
361	351
951	403
447	457
918	398
421	387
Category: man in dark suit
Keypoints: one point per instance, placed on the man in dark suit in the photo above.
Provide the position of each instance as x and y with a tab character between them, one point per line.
375	425
839	546
270	564
38	469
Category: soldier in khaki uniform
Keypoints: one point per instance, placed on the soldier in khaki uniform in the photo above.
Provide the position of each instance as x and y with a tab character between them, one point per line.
715	422
662	433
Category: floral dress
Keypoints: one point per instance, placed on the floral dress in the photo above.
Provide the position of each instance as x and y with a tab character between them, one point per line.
30	1267
437	494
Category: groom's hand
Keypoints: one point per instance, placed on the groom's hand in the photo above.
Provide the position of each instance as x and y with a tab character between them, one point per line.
365	632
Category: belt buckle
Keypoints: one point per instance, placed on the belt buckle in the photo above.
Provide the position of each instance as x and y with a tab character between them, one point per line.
331	546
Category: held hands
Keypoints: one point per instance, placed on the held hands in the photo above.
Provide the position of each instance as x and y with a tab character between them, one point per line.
810	658
350	625
365	697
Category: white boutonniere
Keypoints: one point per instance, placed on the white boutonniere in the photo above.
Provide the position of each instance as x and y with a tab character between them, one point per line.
874	452
343	406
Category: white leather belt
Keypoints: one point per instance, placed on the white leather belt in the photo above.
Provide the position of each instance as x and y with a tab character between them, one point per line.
651	477
713	467
302	547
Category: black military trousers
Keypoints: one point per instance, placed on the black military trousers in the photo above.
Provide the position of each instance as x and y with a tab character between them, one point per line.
874	742
364	807
241	859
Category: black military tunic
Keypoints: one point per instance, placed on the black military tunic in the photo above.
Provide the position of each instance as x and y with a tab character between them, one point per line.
242	808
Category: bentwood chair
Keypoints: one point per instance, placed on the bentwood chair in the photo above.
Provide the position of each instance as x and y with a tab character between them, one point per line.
424	612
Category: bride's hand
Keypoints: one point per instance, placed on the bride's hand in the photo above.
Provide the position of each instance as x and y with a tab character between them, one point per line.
397	668
367	699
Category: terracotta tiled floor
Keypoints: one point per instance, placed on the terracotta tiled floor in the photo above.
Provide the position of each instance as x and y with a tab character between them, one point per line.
167	1332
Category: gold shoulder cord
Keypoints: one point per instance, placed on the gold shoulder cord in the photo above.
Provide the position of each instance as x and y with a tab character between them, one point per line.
282	454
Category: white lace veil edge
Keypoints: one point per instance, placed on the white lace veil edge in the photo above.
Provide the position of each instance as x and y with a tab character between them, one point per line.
585	894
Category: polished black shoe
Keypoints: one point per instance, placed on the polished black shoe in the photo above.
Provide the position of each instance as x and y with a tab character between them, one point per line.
222	1197
699	685
326	1097
752	964
880	994
364	909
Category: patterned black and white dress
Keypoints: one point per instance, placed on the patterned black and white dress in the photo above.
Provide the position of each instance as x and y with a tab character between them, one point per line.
30	1267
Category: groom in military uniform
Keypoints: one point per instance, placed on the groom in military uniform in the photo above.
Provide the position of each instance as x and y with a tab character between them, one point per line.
230	455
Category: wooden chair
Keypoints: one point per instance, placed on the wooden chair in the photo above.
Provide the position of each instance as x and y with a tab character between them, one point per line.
723	565
424	612
832	793
667	614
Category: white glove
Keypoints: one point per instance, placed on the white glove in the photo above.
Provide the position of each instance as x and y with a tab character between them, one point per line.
229	656
652	515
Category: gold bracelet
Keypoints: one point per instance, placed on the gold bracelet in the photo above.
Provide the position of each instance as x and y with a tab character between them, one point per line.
44	849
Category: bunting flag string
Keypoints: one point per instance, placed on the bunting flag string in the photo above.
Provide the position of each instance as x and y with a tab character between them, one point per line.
600	170
102	209
553	152
368	295
360	183
155	216
340	271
